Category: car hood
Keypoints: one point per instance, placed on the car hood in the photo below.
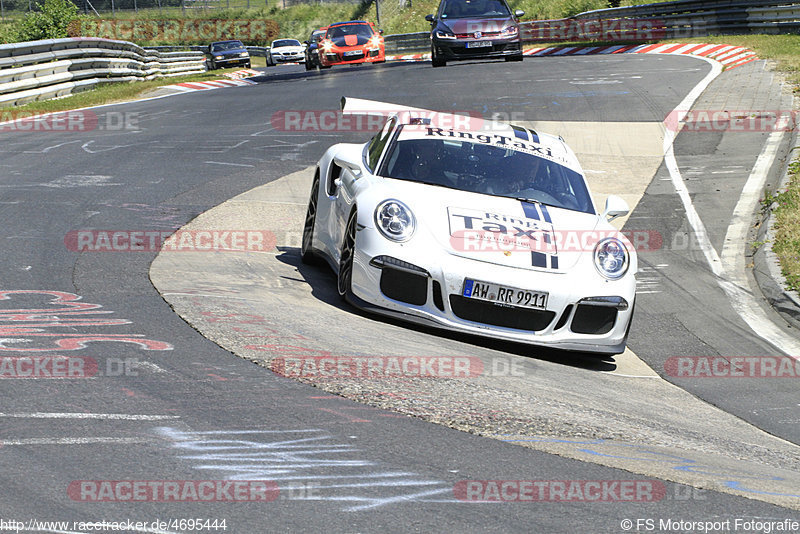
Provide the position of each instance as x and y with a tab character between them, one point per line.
229	52
503	231
470	26
350	40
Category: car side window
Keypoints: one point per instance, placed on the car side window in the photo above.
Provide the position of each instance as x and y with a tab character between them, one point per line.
378	143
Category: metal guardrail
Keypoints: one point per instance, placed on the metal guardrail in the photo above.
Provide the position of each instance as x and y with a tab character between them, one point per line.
664	20
38	70
258	51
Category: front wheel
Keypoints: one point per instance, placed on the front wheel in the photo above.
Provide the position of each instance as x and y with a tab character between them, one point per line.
436	59
518	57
345	278
306	250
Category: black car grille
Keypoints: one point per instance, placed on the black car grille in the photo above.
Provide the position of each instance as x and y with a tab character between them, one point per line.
487	35
494	49
404	286
505	316
593	319
360	55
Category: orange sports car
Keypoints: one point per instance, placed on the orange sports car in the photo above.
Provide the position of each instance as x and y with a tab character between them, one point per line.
355	41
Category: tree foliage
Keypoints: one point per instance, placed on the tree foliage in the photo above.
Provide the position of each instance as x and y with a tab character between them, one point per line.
49	21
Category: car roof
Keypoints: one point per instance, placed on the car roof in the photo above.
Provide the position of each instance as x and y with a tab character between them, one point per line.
350	22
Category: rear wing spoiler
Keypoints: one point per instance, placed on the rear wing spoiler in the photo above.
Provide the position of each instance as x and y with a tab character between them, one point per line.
408	114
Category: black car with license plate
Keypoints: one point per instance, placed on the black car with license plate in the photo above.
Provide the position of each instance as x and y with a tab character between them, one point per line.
223	54
474	29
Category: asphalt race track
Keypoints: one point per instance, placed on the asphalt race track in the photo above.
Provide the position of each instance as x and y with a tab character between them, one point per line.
180	344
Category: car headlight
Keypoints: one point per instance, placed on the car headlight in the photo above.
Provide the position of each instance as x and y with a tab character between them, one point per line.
611	258
445	34
395	220
244	54
219	57
509	31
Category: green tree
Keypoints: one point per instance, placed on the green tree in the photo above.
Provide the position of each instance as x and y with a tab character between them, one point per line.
49	21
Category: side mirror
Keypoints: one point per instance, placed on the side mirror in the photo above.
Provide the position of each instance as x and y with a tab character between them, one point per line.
352	166
519	13
615	207
430	18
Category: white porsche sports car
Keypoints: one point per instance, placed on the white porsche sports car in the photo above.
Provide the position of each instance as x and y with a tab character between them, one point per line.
478	227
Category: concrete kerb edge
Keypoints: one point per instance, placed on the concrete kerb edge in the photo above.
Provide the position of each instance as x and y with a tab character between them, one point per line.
766	268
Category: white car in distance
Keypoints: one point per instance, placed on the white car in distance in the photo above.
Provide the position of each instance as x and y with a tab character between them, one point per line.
286	51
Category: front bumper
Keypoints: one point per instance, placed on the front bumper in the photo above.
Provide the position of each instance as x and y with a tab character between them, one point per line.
457	49
339	56
287	58
429	292
231	62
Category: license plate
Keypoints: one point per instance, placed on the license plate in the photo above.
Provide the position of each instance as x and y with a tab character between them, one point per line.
504	295
349	53
479	44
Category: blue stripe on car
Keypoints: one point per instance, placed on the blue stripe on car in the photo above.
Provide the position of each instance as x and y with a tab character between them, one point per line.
531	211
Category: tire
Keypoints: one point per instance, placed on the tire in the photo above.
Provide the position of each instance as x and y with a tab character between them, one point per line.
247	65
306	250
344	280
308	65
436	60
518	57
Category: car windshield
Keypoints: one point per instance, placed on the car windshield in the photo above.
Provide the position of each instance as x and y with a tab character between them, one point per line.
227	45
487	169
463	9
361	30
285	42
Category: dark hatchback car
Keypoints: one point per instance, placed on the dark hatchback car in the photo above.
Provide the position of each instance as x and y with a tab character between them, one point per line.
312	48
474	29
227	54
